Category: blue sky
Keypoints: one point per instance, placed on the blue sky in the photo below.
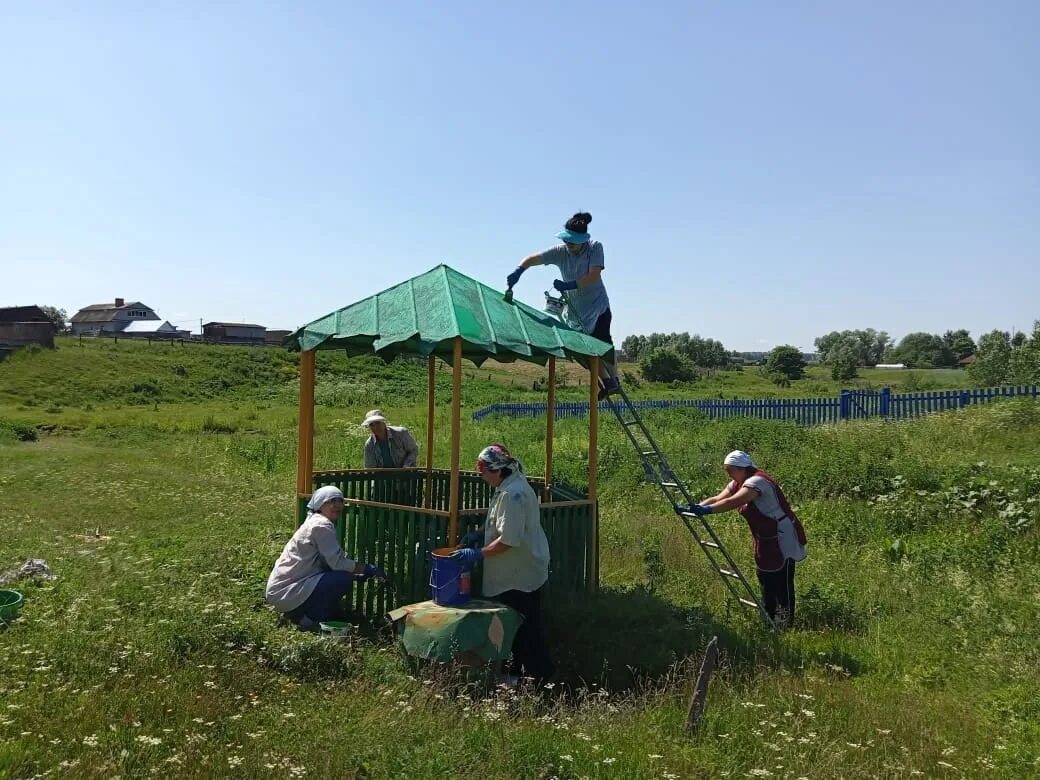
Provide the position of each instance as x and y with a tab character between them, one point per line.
759	173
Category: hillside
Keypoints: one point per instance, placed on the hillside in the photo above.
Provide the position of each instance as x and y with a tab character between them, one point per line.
916	651
94	372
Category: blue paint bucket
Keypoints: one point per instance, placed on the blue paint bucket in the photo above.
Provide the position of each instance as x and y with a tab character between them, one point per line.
449	579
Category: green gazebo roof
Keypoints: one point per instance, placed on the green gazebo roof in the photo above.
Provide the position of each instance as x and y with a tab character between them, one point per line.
423	315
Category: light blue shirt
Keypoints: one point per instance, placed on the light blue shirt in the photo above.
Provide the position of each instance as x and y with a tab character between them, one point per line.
587	304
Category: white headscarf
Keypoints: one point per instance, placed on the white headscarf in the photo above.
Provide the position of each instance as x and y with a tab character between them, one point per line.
740	459
322	496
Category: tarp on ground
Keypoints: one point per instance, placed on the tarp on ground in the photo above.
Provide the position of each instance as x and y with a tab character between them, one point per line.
424	315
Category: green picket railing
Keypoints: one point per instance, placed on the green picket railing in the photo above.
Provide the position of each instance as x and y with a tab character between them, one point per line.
394	530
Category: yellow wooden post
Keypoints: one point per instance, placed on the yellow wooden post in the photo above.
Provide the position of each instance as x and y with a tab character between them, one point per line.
431	372
592	556
456	441
305	450
550	422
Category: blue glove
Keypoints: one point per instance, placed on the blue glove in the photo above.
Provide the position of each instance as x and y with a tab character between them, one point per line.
563	286
473	538
468	555
514	277
371	570
699	509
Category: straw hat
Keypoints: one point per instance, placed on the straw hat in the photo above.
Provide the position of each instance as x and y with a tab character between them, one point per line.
373	416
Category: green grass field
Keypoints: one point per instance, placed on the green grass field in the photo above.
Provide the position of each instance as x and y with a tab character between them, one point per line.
152	653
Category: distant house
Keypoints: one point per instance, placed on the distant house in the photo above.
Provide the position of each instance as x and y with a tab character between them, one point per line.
966	361
276	337
104	318
151	329
233	333
890	365
22	325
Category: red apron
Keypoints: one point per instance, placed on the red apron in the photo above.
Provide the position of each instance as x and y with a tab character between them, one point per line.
768	555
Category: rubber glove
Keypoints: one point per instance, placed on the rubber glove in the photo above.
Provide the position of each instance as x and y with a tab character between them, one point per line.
563	286
468	555
514	277
371	570
699	509
472	538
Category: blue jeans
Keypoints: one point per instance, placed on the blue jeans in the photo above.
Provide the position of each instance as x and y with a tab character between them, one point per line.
326	602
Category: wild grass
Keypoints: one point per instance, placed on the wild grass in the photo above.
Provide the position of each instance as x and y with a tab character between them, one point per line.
916	654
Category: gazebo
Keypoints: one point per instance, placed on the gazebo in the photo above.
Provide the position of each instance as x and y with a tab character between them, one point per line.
395	517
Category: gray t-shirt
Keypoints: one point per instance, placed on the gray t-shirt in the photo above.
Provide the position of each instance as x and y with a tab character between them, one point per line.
767	502
587	304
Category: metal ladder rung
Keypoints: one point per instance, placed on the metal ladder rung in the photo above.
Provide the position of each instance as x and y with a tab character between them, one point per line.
671	484
706	543
728	573
655	453
747	602
630	422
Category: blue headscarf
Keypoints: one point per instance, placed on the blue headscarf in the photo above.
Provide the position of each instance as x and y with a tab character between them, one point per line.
322	496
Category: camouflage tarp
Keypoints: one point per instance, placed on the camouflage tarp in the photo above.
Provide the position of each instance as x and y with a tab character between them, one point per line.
428	630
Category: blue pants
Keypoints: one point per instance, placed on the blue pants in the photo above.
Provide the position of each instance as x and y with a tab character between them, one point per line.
326	602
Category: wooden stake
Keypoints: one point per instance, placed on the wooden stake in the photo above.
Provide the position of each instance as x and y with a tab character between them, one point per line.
456	441
431	385
700	690
550	424
592	555
305	449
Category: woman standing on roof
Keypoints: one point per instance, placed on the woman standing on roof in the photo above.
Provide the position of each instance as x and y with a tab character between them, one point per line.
580	260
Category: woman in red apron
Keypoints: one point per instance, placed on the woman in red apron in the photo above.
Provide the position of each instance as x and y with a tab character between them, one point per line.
776	530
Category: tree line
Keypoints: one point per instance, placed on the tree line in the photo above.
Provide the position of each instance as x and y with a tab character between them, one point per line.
999	357
668	357
1003	358
847	350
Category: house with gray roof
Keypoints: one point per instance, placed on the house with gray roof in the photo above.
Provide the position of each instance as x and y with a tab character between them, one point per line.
109	318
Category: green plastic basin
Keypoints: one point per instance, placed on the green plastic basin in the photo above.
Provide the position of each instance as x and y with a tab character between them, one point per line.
10	604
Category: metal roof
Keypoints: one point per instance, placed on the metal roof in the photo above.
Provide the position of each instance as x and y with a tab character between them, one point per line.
424	315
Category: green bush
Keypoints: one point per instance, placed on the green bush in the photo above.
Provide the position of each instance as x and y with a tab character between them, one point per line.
14	431
665	364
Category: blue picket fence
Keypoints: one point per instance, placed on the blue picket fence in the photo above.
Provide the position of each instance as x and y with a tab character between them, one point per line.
849	405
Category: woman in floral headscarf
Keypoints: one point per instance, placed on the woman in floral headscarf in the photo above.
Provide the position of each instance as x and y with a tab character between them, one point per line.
515	552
